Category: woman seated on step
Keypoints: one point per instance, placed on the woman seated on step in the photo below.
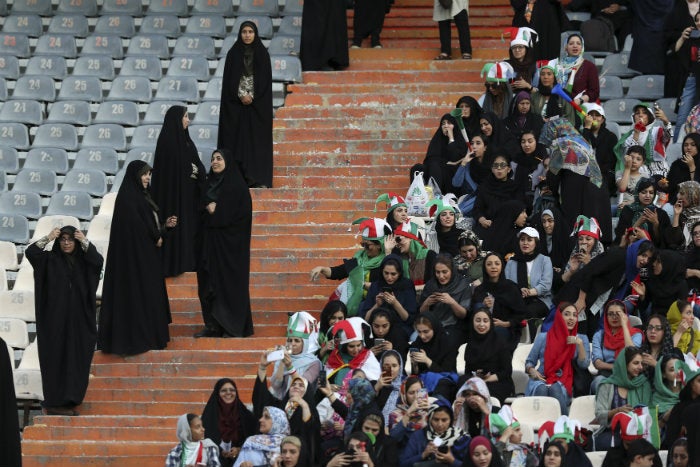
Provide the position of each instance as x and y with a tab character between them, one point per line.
263	448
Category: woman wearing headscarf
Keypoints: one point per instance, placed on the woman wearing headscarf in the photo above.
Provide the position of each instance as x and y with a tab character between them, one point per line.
472	407
65	282
245	119
177	185
498	138
431	357
263	448
498	97
521	117
680	318
688	399
666	387
642	213
387	334
653	138
471	114
351	352
685	168
227	420
332	312
548	19
482	453
386	449
578	76
396	209
135	312
471	171
664	284
411	412
658	342
502	235
555	241
603	142
193	448
446	145
686	212
470	260
223	272
547	104
416	257
529	164
521	57
388	387
11	446
444	226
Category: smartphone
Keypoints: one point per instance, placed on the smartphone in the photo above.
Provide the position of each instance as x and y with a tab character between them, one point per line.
443	449
386	289
379	341
422	393
582	251
322	378
695	34
275	355
412	350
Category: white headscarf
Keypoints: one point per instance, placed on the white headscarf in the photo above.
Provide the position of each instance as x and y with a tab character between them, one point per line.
190	449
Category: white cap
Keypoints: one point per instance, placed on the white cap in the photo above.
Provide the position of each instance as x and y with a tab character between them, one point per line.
530	232
593	107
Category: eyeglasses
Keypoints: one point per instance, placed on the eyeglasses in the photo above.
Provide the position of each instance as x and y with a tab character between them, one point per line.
66	240
227	390
657	327
499	165
696	234
491	85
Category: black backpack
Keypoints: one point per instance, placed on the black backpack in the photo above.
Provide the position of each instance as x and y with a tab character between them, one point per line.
598	35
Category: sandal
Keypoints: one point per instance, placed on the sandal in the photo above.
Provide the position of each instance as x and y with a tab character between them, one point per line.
443	57
467	56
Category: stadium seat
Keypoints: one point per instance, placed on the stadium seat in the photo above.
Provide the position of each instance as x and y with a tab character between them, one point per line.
3	181
30	357
47	158
14	228
14	135
56	135
613	127
121	7
103	45
596	457
41	181
460	359
536	410
212	26
27	379
81	7
285	68
149	44
8	255
52	66
520	355
93	182
668	105
14	44
9	67
204	136
34	7
119	112
264	24
86	88
617	65
3	280
30	112
219	72
144	66
3	90
57	44
109	135
11	354
195	45
165	25
47	223
23	24
180	89
9	160
117	181
207	113
193	66
674	151
100	158
223	8
73	112
141	153
17	304
74	24
290	26
145	135
520	379
14	332
155	112
646	87
293	7
134	88
99	228
583	409
171	7
284	45
101	67
24	203
580	16
107	204
227	44
71	203
213	92
619	110
611	88
258	7
117	25
3	7
37	87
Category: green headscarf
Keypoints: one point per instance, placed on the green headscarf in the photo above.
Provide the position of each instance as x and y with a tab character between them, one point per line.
662	395
356	278
638	388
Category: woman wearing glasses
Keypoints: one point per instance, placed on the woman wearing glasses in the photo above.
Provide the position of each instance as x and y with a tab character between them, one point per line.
658	343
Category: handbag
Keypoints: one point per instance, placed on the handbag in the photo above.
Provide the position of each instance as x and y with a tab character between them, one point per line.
446	4
582	380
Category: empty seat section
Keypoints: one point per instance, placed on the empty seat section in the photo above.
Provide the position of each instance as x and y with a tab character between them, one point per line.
74	24
14	228
620	110
145	135
24	203
213	7
47	158
286	68
171	7
140	153
134	88
121	7
290	26
53	66
155	112
93	182
149	44
109	135
284	45
195	45
39	180
71	203
9	159
87	88
81	7
38	87
73	112
23	24
193	66
119	112
35	7
57	44
9	67
166	25
14	44
14	135
144	66
103	45
99	158
118	25
56	135
23	111
258	7
181	89
207	113
98	66
646	87
212	26
611	88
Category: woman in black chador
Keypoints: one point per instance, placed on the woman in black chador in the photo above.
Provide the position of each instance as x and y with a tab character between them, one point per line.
178	177
223	251
10	444
245	118
135	313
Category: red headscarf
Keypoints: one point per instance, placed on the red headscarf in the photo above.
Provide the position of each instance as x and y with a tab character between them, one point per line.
616	341
558	353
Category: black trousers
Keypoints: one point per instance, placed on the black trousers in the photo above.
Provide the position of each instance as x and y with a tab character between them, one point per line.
461	20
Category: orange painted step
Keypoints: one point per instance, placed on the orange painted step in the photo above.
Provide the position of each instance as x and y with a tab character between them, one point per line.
269	319
350	147
379	182
192	396
287	205
338	159
98	450
258	291
234	356
412	88
392	76
106	421
302	111
106	434
155	460
188	330
364	133
205	384
267	304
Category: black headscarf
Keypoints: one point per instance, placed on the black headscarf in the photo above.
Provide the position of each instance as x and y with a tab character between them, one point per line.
228	422
500	139
481	345
435	348
525	69
471	123
249	53
561	242
509	304
502	233
439	142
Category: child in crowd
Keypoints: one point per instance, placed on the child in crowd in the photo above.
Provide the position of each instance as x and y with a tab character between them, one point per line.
194	450
510	444
634	171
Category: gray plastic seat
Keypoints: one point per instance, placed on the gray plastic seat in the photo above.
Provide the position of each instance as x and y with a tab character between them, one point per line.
3	181
620	110
41	181
98	66
41	88
147	66
209	25
264	24
227	44
290	26
104	45
171	7
3	90
104	159
207	113
14	44
613	127
14	135
56	135
119	112
258	7
57	44
53	66
611	88
145	135
195	66
23	24
9	160
204	136
73	112
118	179
93	182
24	203
34	7
155	112
166	25
9	67
646	87
121	7
149	44
284	45
286	68
109	135
3	7
617	65
219	72
668	105
293	7
47	158
118	25
75	24
195	45
178	89
81	7
87	88
14	228
140	153
135	88
30	112
213	91
213	7
71	203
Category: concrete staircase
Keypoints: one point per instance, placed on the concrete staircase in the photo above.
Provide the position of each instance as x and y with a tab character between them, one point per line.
341	139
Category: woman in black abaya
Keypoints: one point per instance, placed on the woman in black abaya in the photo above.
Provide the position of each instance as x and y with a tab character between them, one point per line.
10	444
135	311
178	177
245	118
65	282
324	35
223	272
547	17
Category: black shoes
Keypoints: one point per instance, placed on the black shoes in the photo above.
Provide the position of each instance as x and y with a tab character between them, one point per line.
208	332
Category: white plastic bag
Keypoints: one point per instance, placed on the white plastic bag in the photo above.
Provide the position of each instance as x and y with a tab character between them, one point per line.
417	196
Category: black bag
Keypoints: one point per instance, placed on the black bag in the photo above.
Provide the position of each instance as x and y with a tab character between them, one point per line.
582	380
446	4
598	35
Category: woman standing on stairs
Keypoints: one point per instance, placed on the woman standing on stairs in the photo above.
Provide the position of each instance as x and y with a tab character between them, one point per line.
457	11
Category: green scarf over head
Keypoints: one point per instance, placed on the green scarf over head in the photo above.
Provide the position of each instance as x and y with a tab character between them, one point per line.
357	278
662	395
638	388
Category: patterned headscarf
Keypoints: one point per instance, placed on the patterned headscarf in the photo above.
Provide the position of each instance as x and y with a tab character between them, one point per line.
269	443
569	150
452	434
363	396
393	398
